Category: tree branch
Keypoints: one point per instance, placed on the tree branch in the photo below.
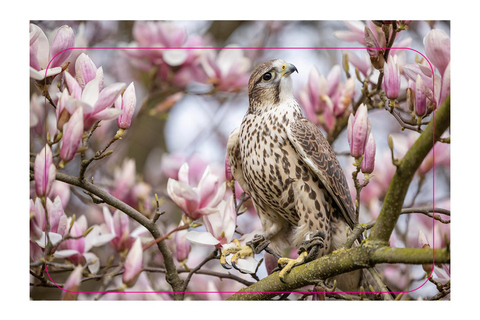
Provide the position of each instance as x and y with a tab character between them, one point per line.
338	262
392	205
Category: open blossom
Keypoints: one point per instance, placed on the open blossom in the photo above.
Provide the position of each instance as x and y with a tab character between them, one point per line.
200	200
77	250
220	226
169	38
97	105
72	135
229	70
326	98
118	225
126	102
41	52
358	130
45	172
133	264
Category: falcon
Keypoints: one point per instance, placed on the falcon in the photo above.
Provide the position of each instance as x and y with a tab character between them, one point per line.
287	167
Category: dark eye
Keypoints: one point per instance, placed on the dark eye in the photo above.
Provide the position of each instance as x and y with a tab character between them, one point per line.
267	76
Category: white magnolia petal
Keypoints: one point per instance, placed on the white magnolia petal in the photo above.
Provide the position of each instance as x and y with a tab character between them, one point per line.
65	253
247	265
40	75
201	238
92	261
55	238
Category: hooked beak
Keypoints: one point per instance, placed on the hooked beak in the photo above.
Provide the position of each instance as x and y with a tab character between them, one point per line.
288	69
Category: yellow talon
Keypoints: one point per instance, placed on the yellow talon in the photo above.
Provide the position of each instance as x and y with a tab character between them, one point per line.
289	264
239	252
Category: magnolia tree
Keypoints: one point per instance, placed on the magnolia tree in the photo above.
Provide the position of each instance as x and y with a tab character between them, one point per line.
131	194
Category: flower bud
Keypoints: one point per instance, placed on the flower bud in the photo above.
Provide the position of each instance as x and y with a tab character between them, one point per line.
391	82
45	172
357	131
368	163
133	264
126	102
437	48
72	135
420	97
374	49
64	39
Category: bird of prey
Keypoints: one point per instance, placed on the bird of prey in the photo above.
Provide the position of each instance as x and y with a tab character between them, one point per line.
287	167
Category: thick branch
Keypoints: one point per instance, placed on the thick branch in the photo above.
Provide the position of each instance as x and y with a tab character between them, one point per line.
338	262
392	205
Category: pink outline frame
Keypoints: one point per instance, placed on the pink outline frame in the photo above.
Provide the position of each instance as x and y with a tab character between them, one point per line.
253	48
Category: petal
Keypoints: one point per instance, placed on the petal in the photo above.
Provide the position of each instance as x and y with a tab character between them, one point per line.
90	94
107	96
92	261
65	253
247	265
201	238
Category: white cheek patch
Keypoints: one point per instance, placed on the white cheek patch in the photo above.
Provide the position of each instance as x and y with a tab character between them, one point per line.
286	89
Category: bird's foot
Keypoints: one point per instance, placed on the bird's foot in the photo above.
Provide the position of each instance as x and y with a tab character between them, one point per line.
287	264
239	252
312	246
245	254
308	251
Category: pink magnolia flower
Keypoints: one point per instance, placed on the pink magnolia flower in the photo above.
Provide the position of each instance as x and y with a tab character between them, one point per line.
220	226
45	172
227	71
41	52
96	105
171	163
368	163
57	221
124	180
72	135
392	81
358	130
126	103
119	226
172	37
362	63
420	97
196	201
77	250
72	285
37	219
133	264
437	48
60	190
324	99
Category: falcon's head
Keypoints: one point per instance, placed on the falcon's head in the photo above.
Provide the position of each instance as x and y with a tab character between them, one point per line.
270	84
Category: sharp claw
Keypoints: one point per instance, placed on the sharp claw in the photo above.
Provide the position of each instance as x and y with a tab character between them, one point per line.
226	266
